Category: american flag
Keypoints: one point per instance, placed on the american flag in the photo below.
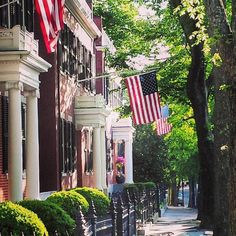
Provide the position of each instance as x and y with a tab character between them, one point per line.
163	127
51	21
144	98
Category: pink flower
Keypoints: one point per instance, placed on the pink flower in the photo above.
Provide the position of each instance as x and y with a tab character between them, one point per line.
120	160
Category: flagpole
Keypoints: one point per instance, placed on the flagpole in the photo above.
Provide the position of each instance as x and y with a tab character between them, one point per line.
97	77
117	75
142	73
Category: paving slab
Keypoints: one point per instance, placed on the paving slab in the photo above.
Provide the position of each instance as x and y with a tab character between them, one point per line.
177	221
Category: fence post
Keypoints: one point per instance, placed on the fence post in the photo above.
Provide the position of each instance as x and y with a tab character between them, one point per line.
158	202
93	218
119	208
128	203
80	223
134	199
113	216
142	211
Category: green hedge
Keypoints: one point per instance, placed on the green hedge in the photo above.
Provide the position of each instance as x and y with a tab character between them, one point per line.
140	186
131	187
54	217
70	201
149	185
100	200
16	219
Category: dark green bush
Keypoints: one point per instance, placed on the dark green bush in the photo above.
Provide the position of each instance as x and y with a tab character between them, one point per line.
54	217
70	201
131	187
149	185
16	219
100	200
139	186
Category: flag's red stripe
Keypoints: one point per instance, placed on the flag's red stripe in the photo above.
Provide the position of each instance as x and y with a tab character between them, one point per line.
141	105
157	106
149	108
129	86
163	127
136	96
51	20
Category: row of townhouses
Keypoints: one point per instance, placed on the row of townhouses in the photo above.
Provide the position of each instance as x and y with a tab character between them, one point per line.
57	129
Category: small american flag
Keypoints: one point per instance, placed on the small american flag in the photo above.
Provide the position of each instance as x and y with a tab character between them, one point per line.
144	98
51	21
163	127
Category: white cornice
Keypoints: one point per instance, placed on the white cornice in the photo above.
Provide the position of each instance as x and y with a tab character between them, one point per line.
22	66
90	111
86	22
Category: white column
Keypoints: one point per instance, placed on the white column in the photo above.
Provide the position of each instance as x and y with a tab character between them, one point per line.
97	157
103	160
15	143
32	145
128	162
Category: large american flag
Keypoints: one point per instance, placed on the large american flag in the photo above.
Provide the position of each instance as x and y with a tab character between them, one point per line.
51	21
144	98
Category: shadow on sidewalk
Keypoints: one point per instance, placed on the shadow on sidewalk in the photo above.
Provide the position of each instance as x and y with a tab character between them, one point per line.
179	221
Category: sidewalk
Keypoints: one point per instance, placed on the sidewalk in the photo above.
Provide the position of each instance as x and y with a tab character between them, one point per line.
179	221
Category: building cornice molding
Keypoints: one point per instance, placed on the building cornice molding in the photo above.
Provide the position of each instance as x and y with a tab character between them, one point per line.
76	8
19	59
90	111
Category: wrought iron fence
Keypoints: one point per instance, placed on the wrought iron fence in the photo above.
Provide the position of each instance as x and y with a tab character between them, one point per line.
125	210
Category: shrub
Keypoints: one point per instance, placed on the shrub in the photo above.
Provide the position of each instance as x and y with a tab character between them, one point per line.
16	219
54	217
137	187
140	186
100	200
70	201
149	185
131	188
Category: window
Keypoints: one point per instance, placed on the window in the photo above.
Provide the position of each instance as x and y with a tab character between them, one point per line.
108	155
67	146
5	132
75	60
121	148
88	150
15	15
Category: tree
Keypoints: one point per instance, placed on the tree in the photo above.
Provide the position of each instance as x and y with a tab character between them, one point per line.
149	153
182	148
126	29
221	17
195	75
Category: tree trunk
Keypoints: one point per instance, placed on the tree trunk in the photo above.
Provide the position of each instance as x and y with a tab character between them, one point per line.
196	89
197	93
225	148
192	193
224	115
173	194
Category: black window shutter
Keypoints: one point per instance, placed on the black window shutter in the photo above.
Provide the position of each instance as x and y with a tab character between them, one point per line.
73	147
5	132
23	117
66	147
62	145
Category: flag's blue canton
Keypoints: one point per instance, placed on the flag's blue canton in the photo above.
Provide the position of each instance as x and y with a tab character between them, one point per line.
165	111
148	83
